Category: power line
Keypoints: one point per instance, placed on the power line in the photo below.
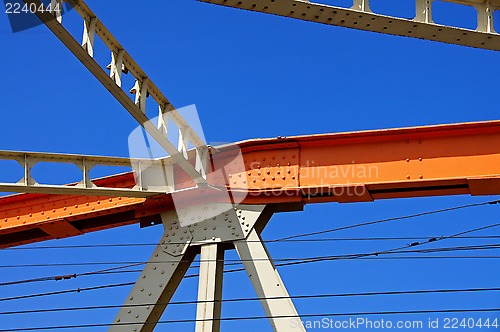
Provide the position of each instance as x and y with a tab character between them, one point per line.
247	299
178	321
389	219
277	241
76	290
290	262
397	250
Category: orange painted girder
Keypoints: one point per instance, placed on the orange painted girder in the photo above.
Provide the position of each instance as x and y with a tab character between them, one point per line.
346	167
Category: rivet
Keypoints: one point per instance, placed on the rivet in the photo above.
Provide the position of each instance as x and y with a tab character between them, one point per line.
407	160
421	176
419	159
408	177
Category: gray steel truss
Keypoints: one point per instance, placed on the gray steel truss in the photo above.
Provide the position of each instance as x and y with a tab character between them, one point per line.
110	78
176	251
361	17
146	182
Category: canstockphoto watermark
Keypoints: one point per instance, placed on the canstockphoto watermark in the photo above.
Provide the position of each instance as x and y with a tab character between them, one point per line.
326	323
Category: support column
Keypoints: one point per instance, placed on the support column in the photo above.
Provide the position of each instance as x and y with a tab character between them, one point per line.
361	5
485	17
153	290
267	284
89	35
424	11
208	311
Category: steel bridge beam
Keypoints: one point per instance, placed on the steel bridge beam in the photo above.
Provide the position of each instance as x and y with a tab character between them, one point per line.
344	167
360	17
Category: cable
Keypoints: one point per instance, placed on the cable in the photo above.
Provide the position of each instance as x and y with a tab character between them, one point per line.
106	245
177	321
238	261
68	276
76	290
389	219
247	299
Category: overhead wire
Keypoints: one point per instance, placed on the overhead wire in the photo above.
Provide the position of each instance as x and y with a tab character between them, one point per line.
248	299
243	318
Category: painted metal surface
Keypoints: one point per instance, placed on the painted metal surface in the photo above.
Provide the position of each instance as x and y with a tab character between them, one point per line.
360	17
112	82
343	167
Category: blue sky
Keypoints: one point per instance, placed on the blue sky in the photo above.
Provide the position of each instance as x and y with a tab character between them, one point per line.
250	76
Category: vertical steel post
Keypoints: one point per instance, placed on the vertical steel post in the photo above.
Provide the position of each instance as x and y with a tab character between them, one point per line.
208	311
424	11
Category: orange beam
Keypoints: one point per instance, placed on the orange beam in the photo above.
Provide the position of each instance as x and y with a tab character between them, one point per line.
345	167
